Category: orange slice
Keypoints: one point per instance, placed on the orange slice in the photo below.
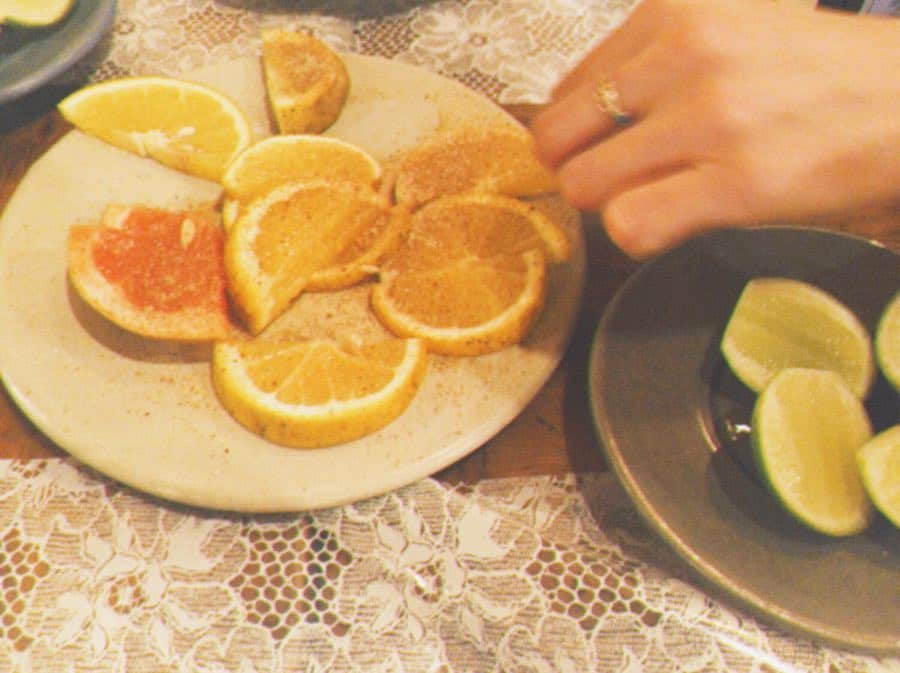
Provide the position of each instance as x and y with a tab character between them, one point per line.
183	125
493	159
307	83
316	393
470	276
153	272
280	159
315	235
292	158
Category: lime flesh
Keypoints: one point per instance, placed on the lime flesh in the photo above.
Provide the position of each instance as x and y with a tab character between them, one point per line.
887	342
807	428
34	13
779	323
879	468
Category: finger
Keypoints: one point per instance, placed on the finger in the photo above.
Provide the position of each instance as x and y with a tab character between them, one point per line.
568	126
623	43
659	215
577	121
606	57
636	155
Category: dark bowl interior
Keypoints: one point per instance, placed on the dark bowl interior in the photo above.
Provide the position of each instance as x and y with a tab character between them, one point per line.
673	422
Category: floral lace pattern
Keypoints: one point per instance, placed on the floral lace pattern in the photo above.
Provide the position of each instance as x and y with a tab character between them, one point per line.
513	51
534	574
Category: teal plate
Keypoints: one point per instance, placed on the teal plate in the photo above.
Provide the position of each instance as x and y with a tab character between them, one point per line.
29	59
673	422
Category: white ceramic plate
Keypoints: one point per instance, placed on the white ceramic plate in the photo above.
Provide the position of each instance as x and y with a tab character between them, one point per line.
144	412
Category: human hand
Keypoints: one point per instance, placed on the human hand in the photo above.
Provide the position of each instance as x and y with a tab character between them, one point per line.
744	112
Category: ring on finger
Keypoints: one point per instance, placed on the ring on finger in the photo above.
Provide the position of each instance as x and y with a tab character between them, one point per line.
608	99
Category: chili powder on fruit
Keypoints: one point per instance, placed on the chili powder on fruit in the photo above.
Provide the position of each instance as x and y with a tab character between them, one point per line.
165	261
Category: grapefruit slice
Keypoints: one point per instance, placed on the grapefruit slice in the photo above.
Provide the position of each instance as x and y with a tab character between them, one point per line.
153	272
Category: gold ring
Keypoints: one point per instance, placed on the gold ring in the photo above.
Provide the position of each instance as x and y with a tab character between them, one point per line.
608	99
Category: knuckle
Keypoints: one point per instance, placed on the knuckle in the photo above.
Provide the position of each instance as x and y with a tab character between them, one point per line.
580	186
697	34
726	113
748	186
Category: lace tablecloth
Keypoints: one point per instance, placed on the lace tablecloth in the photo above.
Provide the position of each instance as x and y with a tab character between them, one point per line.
513	575
526	575
511	50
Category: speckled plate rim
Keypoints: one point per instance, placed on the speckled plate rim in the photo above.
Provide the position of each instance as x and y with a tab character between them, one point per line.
54	51
649	495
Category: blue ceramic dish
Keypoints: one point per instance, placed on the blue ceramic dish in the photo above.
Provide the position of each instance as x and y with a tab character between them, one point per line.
30	60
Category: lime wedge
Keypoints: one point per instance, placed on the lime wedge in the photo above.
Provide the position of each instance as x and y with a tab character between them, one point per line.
779	323
34	13
807	428
879	468
887	342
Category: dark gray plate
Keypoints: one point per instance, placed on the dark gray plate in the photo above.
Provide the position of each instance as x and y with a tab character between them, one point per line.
30	59
673	420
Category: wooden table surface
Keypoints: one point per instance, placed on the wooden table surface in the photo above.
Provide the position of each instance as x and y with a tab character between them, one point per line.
553	435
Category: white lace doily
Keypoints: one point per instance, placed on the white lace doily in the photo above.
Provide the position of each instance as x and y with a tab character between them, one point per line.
535	574
512	51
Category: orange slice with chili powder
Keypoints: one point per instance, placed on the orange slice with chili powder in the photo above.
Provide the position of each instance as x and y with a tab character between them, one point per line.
470	275
154	272
491	159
